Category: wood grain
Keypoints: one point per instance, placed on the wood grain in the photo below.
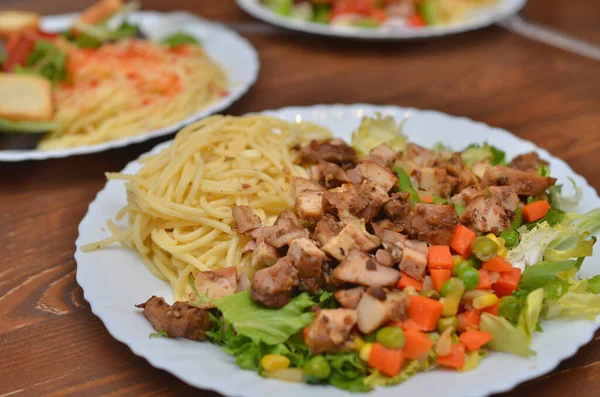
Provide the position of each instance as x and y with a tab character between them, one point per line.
50	342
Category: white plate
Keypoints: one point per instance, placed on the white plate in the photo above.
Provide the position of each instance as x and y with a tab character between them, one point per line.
234	54
114	279
476	19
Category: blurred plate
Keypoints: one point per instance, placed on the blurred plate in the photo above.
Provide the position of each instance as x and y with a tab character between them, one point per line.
234	54
477	19
115	279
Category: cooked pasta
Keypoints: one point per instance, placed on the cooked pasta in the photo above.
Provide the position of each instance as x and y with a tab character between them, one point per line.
180	201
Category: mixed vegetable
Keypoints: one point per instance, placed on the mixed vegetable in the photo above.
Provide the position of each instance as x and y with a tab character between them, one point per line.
360	296
375	13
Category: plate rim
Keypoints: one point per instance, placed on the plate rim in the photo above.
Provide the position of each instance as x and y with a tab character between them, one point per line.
260	12
236	92
230	388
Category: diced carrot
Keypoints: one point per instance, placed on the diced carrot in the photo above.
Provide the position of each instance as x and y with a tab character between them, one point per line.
426	198
408	281
439	277
508	282
473	340
417	344
439	257
484	280
410	325
378	14
536	210
304	333
388	361
456	358
492	309
416	20
497	264
462	239
425	312
468	320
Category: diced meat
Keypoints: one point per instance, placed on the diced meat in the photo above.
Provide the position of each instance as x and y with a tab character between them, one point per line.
523	183
428	283
250	246
378	306
264	255
243	282
352	237
398	207
361	269
329	175
272	286
349	298
414	259
434	223
420	156
486	214
306	257
434	180
302	184
384	257
214	284
480	167
528	162
374	197
327	228
329	330
332	150
177	320
309	204
509	199
286	230
368	170
245	219
392	241
383	155
345	204
466	195
457	168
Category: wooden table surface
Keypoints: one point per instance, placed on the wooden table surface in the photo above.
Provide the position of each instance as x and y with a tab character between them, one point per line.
51	343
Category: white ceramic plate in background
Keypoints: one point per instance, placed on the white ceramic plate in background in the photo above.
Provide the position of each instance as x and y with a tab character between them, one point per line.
234	54
480	18
114	280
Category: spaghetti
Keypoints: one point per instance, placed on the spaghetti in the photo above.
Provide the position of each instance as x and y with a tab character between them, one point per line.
180	201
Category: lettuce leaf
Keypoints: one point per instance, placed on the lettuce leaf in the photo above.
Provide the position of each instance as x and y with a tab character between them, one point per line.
373	131
578	301
348	371
506	337
587	223
532	246
271	326
530	313
540	274
475	153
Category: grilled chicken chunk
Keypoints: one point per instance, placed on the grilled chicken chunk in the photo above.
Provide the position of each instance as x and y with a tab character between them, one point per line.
523	183
264	255
177	320
326	229
378	306
349	298
392	241
352	237
272	286
361	269
302	184
285	230
332	150
434	180
414	258
528	162
329	330
434	223
486	214
368	170
215	284
509	199
309	204
329	175
398	207
382	155
306	257
457	168
245	219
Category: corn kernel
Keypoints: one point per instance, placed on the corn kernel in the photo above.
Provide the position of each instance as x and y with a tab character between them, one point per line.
410	291
358	342
365	351
274	362
456	259
502	251
484	301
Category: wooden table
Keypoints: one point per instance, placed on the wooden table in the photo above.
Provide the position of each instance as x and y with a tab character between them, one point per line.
51	343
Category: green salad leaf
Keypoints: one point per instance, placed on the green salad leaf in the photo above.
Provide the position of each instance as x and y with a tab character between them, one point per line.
505	336
45	60
30	127
475	153
373	131
593	284
260	323
405	184
178	39
348	371
540	274
530	313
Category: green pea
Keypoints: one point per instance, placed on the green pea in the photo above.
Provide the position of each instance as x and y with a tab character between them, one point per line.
446	288
391	337
316	369
511	238
460	266
509	307
474	262
470	277
446	322
484	249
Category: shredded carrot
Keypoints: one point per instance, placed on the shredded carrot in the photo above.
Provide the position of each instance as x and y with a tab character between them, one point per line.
462	239
439	277
425	312
508	282
497	264
408	281
388	361
474	340
439	257
456	358
484	280
417	344
536	210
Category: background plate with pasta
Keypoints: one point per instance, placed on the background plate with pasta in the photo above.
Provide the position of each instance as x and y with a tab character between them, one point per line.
477	19
234	54
114	279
